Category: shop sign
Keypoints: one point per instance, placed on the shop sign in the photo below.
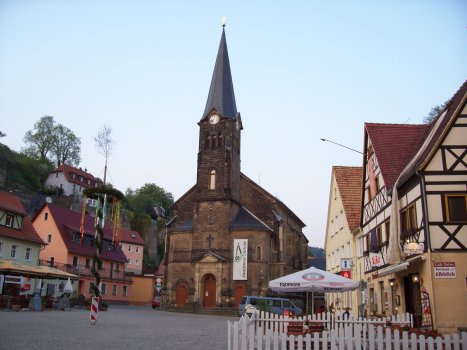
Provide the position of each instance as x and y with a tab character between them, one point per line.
346	264
346	274
412	248
376	260
445	269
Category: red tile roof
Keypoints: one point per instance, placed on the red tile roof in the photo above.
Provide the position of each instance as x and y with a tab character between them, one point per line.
129	236
394	146
69	220
68	171
349	181
12	204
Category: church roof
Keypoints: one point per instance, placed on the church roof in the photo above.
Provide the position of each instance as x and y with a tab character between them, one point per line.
221	93
247	220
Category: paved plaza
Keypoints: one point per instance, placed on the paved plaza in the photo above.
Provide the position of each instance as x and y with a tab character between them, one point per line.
121	327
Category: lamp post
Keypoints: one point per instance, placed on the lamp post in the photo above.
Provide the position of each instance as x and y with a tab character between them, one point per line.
338	144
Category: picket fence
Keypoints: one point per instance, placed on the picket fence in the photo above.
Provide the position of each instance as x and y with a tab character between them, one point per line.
265	331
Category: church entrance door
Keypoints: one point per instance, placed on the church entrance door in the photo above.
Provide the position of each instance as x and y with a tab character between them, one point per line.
182	294
239	293
209	297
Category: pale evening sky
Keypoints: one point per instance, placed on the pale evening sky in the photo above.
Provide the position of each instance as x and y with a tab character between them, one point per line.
302	70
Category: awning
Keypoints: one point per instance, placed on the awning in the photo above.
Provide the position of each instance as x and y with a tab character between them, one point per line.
401	266
13	267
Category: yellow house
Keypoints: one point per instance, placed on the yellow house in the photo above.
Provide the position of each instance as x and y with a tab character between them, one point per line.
342	224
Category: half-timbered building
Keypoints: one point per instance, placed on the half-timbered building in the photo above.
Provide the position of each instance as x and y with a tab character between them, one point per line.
414	218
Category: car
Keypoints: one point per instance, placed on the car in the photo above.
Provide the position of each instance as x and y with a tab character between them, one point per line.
156	302
280	306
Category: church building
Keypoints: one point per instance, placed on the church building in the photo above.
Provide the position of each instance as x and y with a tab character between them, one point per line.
229	237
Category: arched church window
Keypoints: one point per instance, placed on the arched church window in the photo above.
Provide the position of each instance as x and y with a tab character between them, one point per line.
258	253
212	180
207	143
214	141
221	140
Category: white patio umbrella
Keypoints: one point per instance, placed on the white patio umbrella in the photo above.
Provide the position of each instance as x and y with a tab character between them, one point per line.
68	286
312	280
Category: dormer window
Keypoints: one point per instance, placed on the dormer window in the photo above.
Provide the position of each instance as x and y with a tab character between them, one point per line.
212	180
9	220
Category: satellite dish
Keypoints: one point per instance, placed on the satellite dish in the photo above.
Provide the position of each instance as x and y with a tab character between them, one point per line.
48	199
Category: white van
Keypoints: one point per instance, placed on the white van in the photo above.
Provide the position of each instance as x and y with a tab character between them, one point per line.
278	306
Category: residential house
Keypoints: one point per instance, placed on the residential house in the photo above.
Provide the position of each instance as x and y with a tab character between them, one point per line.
19	241
342	225
132	246
72	180
70	251
414	218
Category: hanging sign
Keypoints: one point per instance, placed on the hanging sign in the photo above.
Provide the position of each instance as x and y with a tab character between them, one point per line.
376	260
240	259
445	269
346	264
346	274
412	248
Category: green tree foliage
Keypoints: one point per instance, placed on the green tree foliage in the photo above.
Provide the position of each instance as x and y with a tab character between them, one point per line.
52	141
316	252
40	139
2	134
147	197
66	147
141	202
23	172
434	112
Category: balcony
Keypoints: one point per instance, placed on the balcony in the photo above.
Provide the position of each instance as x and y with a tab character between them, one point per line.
85	271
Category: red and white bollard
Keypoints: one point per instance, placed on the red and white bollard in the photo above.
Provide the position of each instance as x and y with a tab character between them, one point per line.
94	310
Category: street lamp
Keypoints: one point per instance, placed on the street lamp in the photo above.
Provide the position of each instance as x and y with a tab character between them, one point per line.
326	140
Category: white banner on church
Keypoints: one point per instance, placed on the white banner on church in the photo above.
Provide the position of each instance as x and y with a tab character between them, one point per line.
240	259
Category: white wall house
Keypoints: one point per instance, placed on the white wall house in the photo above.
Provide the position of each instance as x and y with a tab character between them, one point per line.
342	224
72	180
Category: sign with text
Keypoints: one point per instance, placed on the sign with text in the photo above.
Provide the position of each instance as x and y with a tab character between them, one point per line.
412	248
240	259
445	269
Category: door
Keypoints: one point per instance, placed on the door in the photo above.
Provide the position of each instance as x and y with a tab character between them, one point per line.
209	295
182	294
239	293
412	299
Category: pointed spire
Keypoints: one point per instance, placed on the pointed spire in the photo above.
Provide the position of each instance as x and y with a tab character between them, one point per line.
221	93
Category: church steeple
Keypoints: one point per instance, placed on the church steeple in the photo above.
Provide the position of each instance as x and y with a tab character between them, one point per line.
221	93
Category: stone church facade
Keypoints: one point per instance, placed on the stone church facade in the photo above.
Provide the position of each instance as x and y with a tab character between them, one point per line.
225	205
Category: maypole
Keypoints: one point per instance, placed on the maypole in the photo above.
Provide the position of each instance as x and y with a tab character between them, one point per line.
105	196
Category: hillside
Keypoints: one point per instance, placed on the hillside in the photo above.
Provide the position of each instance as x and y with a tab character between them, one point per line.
20	172
316	252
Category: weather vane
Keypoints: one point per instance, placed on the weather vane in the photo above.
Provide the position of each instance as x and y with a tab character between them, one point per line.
224	20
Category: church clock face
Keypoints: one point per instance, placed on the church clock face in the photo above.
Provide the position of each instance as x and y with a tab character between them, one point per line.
214	119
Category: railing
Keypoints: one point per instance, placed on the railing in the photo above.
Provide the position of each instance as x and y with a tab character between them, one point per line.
85	271
264	331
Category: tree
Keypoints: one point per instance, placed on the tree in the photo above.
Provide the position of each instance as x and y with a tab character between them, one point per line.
52	141
147	197
66	147
2	134
40	139
434	112
104	144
